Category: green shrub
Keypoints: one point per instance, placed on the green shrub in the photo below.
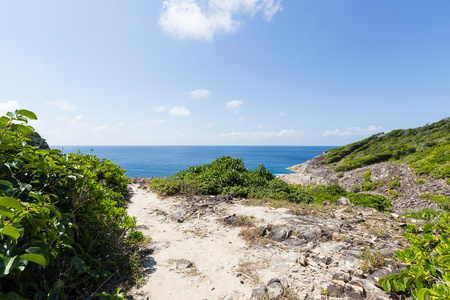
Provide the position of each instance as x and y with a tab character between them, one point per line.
371	261
441	200
367	176
375	201
423	214
63	226
420	181
394	194
394	183
427	273
340	175
355	188
368	186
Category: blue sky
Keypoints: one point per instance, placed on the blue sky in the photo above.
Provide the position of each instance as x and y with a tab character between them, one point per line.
224	72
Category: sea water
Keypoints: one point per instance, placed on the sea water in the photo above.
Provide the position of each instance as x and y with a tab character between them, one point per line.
165	161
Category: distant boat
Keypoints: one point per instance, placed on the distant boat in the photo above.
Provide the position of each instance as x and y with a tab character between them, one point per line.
92	149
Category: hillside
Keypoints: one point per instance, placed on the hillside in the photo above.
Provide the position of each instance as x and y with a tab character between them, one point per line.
411	167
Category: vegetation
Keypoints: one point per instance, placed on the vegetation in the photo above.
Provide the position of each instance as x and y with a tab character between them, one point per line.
228	175
63	227
427	275
426	149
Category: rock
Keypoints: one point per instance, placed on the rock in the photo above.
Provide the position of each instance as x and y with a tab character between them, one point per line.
380	273
183	264
355	290
294	241
340	276
302	260
343	201
274	288
178	215
259	292
336	288
280	234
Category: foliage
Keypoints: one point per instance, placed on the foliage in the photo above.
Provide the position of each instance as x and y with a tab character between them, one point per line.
367	175
426	149
371	261
378	202
427	275
394	183
228	175
441	200
63	226
423	214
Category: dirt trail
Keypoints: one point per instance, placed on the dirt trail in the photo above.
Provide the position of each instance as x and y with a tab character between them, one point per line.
197	256
215	250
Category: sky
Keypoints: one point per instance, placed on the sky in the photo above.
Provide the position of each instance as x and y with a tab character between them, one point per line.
224	72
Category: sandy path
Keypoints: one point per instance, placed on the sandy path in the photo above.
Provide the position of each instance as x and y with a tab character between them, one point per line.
215	249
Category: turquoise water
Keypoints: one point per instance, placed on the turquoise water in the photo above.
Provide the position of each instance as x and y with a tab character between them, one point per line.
160	161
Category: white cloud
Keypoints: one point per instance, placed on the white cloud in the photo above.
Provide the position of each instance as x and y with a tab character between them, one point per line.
100	128
199	94
202	19
160	109
154	123
62	104
371	129
179	111
281	114
210	125
234	105
8	106
262	134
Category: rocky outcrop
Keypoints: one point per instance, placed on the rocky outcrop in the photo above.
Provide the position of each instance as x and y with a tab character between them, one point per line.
405	195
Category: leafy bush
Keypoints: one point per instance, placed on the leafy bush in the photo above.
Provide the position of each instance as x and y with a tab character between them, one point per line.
226	175
423	214
367	175
371	261
394	183
375	201
441	200
63	226
427	274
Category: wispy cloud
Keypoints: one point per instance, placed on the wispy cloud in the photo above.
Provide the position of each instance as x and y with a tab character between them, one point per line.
202	19
153	122
160	109
262	134
371	129
179	111
199	94
62	104
234	105
281	114
8	106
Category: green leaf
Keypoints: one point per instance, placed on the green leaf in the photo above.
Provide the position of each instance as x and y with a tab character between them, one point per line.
423	293
8	264
443	259
11	203
11	296
11	115
26	130
11	231
6	183
29	114
36	258
4	120
6	212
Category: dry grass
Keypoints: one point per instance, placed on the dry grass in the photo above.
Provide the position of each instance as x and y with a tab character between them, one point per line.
252	236
241	221
249	270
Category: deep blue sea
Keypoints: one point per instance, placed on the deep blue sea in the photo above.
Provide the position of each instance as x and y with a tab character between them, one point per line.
160	161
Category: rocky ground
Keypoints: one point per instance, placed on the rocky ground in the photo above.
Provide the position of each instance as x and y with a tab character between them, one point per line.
404	197
220	247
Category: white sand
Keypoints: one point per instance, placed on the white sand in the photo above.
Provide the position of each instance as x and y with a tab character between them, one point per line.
215	249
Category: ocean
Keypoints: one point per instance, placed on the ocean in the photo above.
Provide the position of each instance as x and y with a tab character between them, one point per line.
165	161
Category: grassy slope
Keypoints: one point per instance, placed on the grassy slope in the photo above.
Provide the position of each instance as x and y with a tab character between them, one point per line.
426	149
